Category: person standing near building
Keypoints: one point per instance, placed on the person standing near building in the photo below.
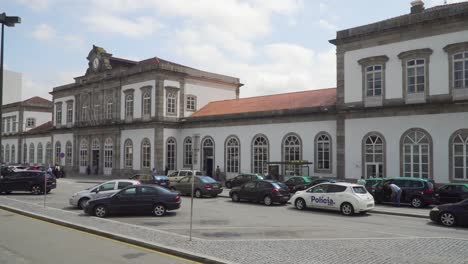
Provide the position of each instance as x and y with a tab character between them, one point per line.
396	193
217	173
361	181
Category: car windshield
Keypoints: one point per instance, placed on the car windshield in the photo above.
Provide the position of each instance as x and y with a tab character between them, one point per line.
160	178
279	185
198	173
359	189
206	179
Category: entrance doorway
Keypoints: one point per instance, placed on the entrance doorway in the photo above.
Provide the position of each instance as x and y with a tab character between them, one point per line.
95	155
208	156
374	170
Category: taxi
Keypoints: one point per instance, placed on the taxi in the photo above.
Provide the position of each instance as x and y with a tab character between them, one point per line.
348	198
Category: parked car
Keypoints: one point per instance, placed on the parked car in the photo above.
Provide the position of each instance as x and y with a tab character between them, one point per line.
178	175
160	180
415	191
348	198
18	167
37	168
6	171
266	191
241	179
451	214
452	193
135	199
79	199
203	186
30	181
373	183
321	180
298	183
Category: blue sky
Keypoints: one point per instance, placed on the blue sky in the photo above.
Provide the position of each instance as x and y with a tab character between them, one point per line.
273	46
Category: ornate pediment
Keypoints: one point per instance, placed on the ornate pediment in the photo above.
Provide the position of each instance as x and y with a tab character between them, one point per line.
98	60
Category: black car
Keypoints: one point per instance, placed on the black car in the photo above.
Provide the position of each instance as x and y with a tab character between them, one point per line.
265	191
30	181
318	181
452	193
415	191
135	199
160	180
451	214
298	183
241	179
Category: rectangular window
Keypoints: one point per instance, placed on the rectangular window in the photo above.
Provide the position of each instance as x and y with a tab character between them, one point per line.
191	103
69	112
8	129
374	80
58	114
171	103
97	112
14	124
109	110
129	106
416	76
30	122
146	104
3	124
84	112
460	70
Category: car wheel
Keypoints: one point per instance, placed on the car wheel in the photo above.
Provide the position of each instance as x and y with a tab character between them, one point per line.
347	209
36	189
300	204
100	211
447	219
228	185
159	210
416	202
235	197
82	203
267	200
198	193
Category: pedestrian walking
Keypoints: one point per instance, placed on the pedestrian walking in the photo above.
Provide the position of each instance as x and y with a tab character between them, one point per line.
396	193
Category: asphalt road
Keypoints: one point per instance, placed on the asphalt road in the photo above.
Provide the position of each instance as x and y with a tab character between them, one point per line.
221	219
29	241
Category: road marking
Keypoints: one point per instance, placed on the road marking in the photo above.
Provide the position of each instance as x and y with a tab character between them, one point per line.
106	238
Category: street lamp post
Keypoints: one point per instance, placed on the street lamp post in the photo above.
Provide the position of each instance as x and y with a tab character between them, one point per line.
8	21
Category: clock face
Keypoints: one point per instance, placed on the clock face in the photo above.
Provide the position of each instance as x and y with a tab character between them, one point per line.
95	63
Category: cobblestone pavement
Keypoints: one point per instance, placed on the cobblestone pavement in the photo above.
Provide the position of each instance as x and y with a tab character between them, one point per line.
249	233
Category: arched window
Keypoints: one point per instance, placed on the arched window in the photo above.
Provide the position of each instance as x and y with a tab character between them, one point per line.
108	153
417	149
13	154
128	154
323	152
48	153
260	154
292	151
25	153
31	153
68	153
459	155
171	153
208	158
373	155
232	154
146	98
188	152
171	103
129	105
84	153
58	150
145	154
39	153
7	153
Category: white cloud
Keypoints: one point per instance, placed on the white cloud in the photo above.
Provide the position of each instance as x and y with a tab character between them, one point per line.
44	32
41	86
37	4
323	8
75	41
327	25
107	23
441	2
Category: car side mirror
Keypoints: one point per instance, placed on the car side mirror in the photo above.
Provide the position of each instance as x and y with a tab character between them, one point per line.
96	190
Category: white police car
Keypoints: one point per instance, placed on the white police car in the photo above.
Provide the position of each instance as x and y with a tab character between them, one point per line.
348	198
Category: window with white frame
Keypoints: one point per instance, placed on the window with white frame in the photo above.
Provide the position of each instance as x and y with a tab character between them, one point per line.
191	103
374	80
373	156
171	154
58	150
145	154
25	153
68	153
69	112
128	154
31	153
292	151
129	106
13	154
416	154
232	155
39	153
58	113
416	76
460	70
96	112
84	112
14	124
146	103
188	153
109	110
108	153
323	151
260	154
460	156
8	129
30	122
48	154
84	153
3	125
171	103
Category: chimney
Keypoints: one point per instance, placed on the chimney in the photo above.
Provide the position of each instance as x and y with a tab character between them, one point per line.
417	6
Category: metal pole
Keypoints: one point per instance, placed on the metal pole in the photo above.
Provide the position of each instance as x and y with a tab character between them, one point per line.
191	205
45	188
1	95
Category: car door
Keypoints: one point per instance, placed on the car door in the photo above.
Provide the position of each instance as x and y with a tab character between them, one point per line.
9	182
147	196
315	196
247	191
123	184
183	174
125	201
184	186
105	189
236	181
443	194
458	193
173	177
336	195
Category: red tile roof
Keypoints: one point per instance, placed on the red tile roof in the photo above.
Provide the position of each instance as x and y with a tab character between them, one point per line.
36	100
42	128
287	101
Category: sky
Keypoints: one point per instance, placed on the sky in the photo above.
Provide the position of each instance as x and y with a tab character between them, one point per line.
273	46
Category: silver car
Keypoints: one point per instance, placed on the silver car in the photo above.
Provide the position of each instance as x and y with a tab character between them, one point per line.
80	198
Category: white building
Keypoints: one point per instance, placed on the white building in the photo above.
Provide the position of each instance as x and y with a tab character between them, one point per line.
12	87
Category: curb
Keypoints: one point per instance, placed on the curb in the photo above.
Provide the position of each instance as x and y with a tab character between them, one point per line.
399	214
163	249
